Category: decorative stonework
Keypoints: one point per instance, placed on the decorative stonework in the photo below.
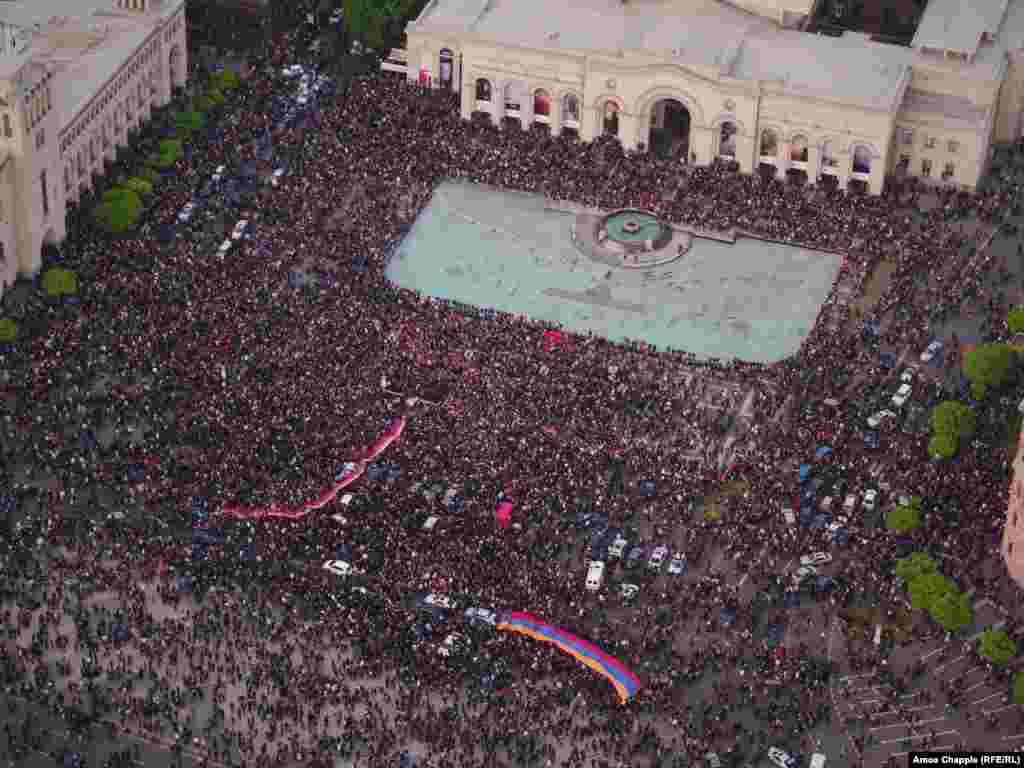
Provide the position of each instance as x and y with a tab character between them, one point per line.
610	82
729	105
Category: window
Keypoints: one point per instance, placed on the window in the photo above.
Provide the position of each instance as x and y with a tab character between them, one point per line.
67	178
7	126
1009	548
769	143
930	142
926	168
906	137
46	196
904	161
954	147
40	138
948	172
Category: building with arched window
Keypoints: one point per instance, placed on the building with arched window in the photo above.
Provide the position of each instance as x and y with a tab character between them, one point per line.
1013	532
75	77
700	79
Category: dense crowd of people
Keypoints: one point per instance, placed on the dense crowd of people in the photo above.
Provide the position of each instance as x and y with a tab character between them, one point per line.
257	392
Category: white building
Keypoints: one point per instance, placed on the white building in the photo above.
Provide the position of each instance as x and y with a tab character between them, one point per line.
738	80
74	76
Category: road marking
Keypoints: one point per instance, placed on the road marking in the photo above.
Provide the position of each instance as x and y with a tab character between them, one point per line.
937	735
1000	709
993	696
950	663
976	685
851	677
904	723
918	736
932	653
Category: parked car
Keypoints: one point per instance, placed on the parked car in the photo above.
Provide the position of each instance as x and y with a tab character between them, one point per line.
878	418
339	567
902	395
186	212
713	760
477	615
908	373
677	565
870	500
618	547
780	758
239	229
595	575
657	558
931	351
628	591
817	760
817	558
804	572
431	522
224	247
789	516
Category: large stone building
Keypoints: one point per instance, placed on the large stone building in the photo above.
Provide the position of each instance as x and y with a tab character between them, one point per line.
75	75
1013	533
706	79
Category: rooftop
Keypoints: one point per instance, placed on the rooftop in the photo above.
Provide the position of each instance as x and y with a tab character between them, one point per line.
958	25
953	108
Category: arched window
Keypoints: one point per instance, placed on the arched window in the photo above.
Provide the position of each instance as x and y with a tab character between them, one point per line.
541	103
862	160
513	96
483	89
828	155
446	68
571	109
798	149
727	140
610	115
769	143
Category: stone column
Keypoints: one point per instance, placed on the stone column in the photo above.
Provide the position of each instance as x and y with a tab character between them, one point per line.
782	160
813	163
627	129
746	156
701	145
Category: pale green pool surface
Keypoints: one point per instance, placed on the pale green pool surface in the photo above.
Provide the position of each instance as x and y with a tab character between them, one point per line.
649	227
493	248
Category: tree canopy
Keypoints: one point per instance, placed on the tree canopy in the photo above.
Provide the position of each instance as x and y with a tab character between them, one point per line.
943	445
952	610
954	418
905	517
926	590
915	565
60	282
997	646
987	365
1015	320
1018	688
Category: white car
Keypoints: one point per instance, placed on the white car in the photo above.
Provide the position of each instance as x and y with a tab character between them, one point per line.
713	760
481	616
803	572
451	644
657	558
789	516
677	565
930	351
239	229
346	499
878	418
595	575
340	519
780	758
275	176
902	395
908	374
224	247
818	558
218	174
618	547
339	567
430	522
817	760
439	601
629	591
186	212
849	503
870	500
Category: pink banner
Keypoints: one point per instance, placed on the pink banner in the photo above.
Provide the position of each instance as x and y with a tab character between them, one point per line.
503	514
281	511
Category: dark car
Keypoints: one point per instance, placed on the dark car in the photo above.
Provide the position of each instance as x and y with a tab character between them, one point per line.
635	556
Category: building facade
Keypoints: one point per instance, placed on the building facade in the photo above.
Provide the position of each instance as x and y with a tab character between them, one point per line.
75	75
1013	532
705	79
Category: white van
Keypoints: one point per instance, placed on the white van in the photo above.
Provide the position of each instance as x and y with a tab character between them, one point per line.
817	760
595	575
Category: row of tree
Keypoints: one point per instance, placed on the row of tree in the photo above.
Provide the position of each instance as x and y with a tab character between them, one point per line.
933	592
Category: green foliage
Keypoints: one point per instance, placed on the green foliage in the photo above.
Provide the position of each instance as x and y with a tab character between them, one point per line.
916	565
943	445
927	589
161	162
150	175
997	646
8	330
955	419
60	282
987	365
1015	320
225	81
139	186
1018	688
119	210
171	147
368	19
216	96
202	104
904	518
189	121
952	610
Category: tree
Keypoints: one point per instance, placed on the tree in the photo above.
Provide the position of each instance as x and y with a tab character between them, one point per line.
954	418
1015	320
8	330
1018	688
119	210
916	565
59	282
904	518
997	646
943	445
952	610
927	589
987	365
